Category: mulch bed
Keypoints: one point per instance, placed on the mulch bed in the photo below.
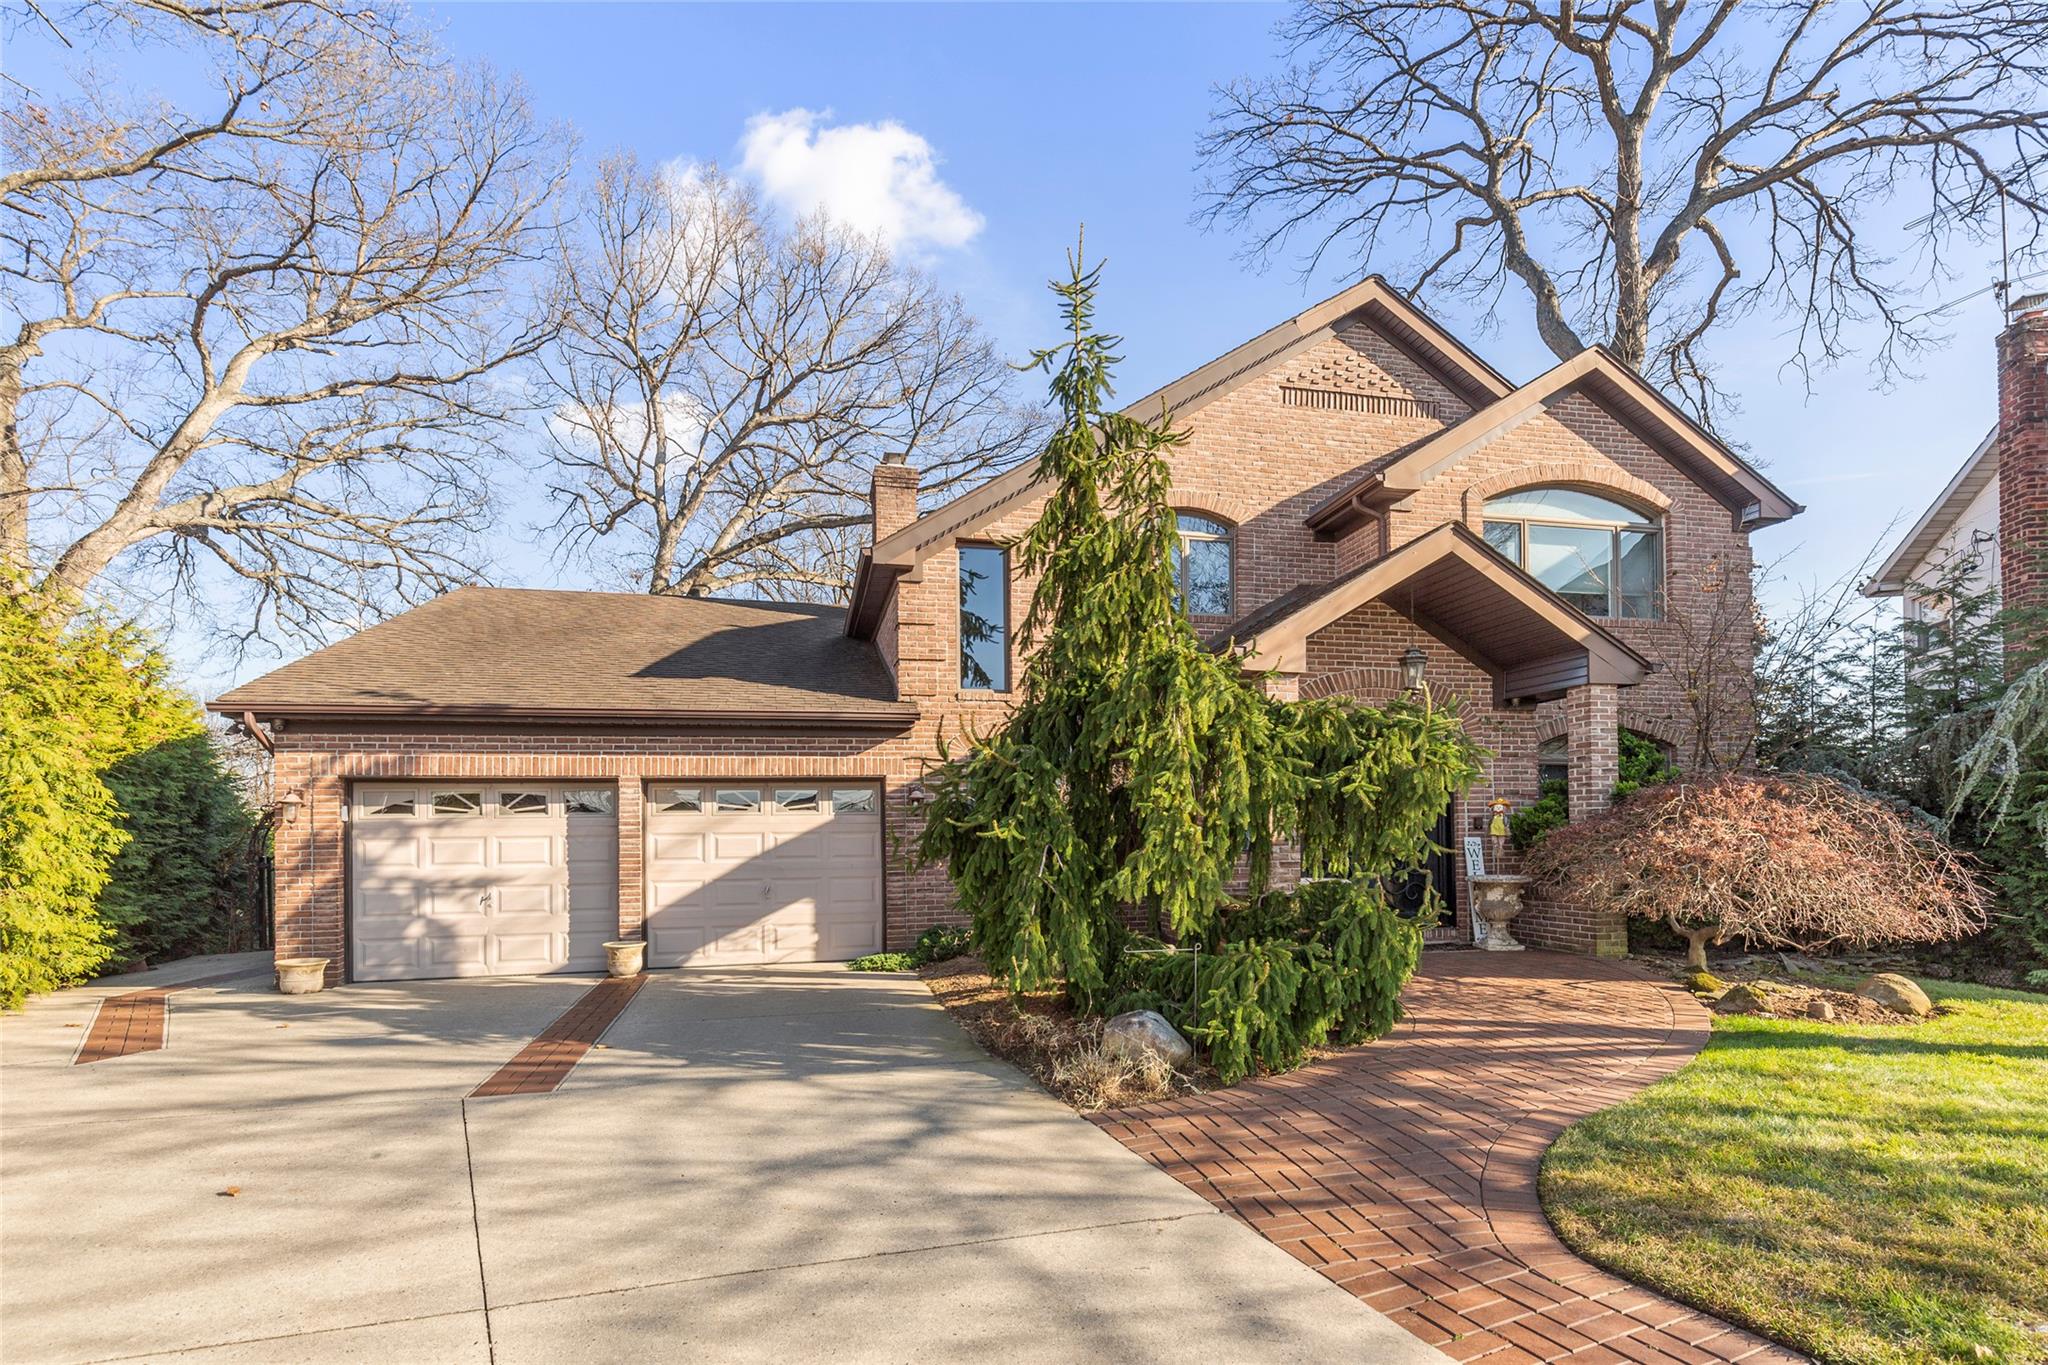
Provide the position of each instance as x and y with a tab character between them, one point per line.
1038	1032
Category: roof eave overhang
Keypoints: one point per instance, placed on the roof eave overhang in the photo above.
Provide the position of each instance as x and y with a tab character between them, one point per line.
1890	580
892	719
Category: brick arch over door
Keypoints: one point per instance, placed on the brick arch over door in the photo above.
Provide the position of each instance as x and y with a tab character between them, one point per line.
1588	474
1374	684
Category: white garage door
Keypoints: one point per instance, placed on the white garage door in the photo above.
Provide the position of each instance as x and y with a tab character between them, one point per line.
482	879
769	872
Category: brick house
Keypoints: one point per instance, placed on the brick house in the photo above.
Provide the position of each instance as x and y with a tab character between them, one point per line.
501	780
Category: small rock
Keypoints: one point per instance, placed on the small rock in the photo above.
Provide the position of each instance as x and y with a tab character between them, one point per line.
1822	1010
1896	993
1146	1031
1704	983
1744	999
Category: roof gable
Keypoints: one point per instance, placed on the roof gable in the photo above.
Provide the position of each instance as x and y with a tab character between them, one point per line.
1619	391
1371	301
1938	520
1534	642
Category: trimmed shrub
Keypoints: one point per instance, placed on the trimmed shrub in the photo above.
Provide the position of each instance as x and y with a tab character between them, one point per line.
1291	971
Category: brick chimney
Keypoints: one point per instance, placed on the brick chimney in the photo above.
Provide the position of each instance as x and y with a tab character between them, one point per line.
892	497
2023	469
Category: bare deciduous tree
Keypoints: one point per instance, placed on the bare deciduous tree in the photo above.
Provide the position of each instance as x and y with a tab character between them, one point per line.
724	385
1647	172
255	344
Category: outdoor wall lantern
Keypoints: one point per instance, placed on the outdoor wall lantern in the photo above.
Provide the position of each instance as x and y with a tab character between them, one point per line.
290	804
1412	662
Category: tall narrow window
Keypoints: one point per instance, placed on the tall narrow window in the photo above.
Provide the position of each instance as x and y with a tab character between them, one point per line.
1603	558
1201	565
984	618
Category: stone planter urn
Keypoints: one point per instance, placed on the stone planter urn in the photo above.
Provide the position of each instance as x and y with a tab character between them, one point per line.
301	975
1497	899
626	957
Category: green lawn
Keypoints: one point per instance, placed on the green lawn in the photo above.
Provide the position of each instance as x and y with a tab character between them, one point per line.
1865	1193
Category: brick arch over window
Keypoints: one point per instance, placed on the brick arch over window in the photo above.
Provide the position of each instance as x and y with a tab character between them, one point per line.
1228	508
1587	474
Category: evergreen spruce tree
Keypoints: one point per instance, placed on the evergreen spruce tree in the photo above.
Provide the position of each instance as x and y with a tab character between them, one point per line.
1141	769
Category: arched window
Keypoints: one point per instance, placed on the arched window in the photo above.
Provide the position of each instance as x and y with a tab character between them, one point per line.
1201	563
1604	558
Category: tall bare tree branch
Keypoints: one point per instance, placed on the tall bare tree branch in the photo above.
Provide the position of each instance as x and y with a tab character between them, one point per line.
1649	172
258	345
724	386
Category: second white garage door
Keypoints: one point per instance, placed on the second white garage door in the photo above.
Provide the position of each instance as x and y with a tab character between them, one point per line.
771	872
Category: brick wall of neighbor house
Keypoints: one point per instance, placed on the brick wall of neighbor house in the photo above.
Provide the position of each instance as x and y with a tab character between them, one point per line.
2023	462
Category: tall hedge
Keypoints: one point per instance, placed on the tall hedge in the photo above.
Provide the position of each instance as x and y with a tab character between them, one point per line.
114	809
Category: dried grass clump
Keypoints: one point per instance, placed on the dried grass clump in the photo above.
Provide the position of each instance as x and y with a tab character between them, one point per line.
1040	1034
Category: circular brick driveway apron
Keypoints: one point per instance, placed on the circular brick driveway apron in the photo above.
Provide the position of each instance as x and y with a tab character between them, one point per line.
1406	1170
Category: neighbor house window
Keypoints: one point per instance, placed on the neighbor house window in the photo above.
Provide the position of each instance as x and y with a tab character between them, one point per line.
984	618
1201	566
1603	558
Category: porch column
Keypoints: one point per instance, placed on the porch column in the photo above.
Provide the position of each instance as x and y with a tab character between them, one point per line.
1592	717
1282	686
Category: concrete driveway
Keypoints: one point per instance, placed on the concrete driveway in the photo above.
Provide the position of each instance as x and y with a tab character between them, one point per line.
787	1163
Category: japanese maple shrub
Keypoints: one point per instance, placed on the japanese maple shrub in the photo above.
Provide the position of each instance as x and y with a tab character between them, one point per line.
1783	860
1143	772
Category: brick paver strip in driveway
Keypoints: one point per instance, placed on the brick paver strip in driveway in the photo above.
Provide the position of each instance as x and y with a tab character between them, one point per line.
136	1021
1406	1170
546	1062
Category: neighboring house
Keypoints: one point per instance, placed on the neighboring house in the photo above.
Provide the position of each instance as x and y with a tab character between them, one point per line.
502	780
1992	518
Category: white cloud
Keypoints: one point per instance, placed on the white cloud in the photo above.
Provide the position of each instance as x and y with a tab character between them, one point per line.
877	178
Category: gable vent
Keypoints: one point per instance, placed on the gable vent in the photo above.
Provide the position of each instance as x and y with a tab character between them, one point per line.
1340	400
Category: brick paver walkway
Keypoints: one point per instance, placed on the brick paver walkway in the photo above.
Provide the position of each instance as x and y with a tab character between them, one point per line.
1406	1170
547	1061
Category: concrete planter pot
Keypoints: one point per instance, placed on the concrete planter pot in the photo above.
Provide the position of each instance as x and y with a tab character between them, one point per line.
301	975
627	957
1497	900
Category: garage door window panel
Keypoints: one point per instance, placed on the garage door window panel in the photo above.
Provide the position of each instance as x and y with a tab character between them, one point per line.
685	799
383	803
458	803
736	800
853	801
588	801
796	799
522	803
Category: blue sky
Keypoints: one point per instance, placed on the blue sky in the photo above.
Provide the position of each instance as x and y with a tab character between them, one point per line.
1042	117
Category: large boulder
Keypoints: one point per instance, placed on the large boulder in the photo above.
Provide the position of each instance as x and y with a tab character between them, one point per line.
1744	999
1143	1032
1897	993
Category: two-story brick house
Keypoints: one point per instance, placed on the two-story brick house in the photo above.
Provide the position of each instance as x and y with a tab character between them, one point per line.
502	780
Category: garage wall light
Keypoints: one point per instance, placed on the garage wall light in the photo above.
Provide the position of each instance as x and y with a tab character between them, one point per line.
1413	661
290	804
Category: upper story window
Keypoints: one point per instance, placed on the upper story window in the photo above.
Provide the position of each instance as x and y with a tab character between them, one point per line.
1201	564
984	618
1602	557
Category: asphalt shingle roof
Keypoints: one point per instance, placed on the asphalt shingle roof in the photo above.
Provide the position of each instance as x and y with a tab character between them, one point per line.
522	651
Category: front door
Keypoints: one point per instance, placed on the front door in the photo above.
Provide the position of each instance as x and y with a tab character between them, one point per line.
1411	894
